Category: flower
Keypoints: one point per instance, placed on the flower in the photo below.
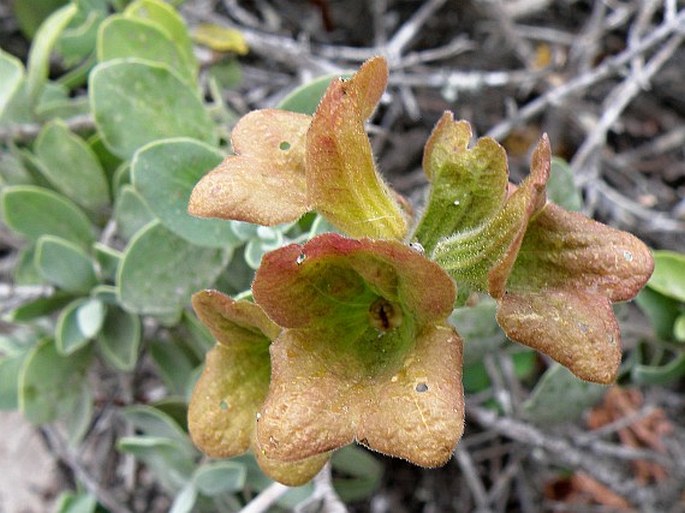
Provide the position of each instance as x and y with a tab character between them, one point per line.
365	355
223	409
286	164
554	273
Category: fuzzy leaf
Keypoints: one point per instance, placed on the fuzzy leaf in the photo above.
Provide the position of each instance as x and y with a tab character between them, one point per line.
136	102
469	186
121	37
368	356
35	211
71	166
342	182
264	182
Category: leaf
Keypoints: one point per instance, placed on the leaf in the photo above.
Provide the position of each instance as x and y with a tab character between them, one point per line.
71	503
166	458
358	473
43	43
136	102
153	422
160	271
174	365
669	274
185	500
120	337
12	73
561	188
30	13
34	212
561	397
39	307
107	260
167	18
80	415
71	166
666	373
121	37
342	181
90	317
64	264
306	98
164	173
661	310
264	182
131	213
220	39
220	477
50	384
10	369
479	329
69	336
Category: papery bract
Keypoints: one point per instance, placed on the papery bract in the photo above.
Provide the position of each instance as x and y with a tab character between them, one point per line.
234	383
366	353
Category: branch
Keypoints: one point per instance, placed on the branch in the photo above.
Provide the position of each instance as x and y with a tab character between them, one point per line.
72	461
608	68
26	132
262	502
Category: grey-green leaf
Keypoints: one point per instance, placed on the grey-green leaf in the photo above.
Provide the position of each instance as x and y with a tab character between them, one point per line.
35	211
561	397
43	43
71	166
121	37
12	73
50	384
69	336
220	477
136	102
561	188
131	212
64	264
119	339
164	173
669	274
160	271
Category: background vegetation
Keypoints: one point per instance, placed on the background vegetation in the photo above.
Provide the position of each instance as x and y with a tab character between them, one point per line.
111	110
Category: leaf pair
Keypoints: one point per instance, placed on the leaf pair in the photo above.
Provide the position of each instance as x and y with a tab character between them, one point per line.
286	164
